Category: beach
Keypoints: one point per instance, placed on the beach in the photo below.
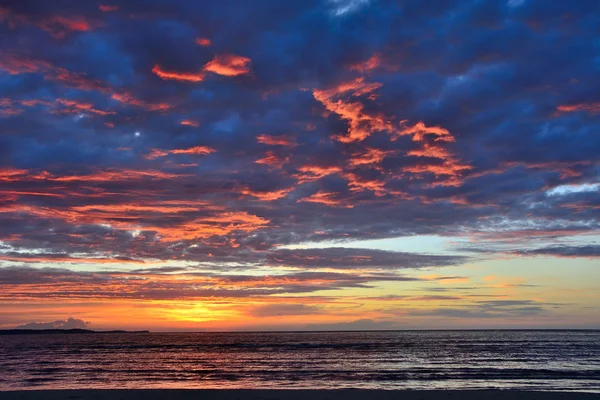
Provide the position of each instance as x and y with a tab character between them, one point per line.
346	394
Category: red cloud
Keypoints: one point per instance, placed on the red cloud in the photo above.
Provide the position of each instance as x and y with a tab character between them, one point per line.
57	25
18	65
75	107
128	99
591	108
104	8
177	76
204	42
228	65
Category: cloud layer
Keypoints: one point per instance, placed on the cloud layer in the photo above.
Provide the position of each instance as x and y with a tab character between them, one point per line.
211	137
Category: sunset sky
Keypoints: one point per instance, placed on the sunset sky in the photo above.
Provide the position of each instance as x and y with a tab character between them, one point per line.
299	164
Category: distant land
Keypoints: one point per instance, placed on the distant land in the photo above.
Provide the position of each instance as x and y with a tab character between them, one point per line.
58	331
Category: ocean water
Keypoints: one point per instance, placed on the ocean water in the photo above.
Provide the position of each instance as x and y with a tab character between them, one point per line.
531	360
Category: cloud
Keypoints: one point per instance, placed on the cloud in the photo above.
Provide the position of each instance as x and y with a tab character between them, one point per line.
327	198
107	8
592	108
190	122
228	65
274	310
281	140
58	26
196	150
70	323
492	309
342	7
590	251
348	258
168	283
568	189
204	42
177	76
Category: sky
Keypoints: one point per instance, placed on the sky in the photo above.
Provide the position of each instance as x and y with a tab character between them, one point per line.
299	165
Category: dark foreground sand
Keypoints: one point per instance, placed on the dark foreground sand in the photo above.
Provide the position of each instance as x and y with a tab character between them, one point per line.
290	395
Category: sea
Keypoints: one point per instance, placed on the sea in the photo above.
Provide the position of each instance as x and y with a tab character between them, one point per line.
525	360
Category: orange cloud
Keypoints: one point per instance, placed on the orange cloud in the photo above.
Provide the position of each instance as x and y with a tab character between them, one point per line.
272	159
131	217
419	130
371	156
218	224
281	140
177	76
360	123
163	207
268	196
450	168
115	175
372	63
196	150
190	122
311	173
327	198
357	87
104	8
204	42
156	153
431	151
122	216
358	184
228	65
12	174
111	175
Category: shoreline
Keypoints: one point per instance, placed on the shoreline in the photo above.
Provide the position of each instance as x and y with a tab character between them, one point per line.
292	394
